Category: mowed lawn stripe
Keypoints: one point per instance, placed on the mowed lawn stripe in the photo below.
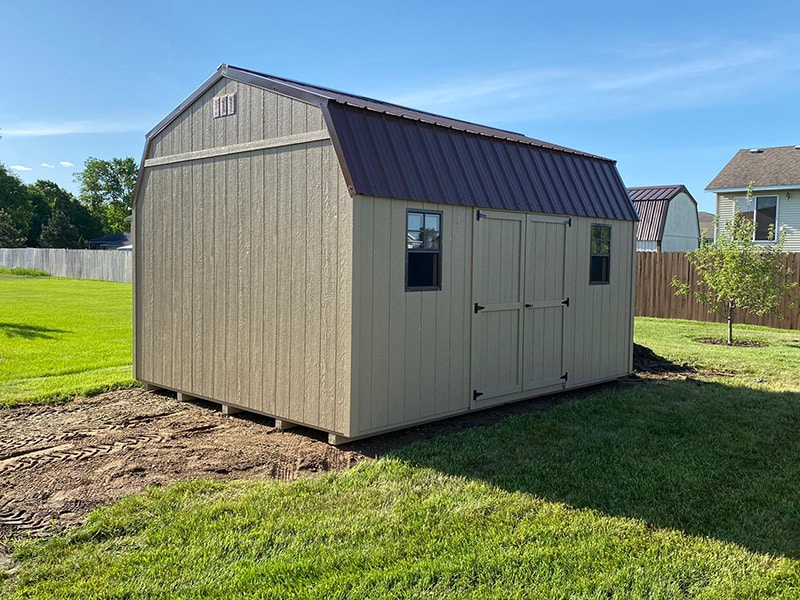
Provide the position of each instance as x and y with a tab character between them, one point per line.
61	337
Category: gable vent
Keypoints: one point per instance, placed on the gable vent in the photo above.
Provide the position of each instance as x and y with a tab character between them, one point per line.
224	106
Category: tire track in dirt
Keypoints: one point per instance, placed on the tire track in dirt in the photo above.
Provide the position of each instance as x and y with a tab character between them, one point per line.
58	462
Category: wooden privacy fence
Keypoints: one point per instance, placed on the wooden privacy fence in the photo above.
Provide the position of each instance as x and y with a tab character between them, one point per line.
106	265
655	296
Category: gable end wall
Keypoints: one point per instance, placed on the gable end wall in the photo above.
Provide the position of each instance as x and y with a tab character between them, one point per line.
243	261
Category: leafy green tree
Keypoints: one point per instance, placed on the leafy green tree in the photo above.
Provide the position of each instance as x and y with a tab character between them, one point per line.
60	232
16	202
107	190
736	272
53	198
10	236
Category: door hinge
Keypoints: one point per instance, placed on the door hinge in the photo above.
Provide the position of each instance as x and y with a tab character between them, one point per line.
565	302
478	308
479	215
476	394
565	377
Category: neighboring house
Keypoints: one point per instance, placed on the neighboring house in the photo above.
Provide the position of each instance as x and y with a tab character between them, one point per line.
706	220
667	219
774	174
112	241
355	266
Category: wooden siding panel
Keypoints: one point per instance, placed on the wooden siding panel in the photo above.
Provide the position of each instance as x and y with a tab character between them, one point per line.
407	345
598	325
313	286
298	243
260	114
269	315
344	305
246	282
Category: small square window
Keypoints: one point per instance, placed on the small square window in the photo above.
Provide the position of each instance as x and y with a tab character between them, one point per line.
423	250
600	261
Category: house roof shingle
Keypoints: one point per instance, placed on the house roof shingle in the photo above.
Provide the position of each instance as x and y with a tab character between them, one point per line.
765	167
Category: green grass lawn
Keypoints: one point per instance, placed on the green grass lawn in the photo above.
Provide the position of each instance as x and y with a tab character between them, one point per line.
61	337
659	489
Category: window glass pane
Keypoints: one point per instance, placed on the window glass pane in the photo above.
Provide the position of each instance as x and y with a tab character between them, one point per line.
432	222
423	269
766	208
413	240
598	269
601	239
430	239
415	221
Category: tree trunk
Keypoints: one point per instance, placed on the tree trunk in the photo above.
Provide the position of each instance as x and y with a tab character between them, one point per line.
730	324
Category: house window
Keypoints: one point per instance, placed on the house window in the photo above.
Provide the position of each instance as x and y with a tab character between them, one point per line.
423	250
766	209
763	210
601	254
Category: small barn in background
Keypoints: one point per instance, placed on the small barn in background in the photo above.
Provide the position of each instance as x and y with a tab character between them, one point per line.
356	267
667	219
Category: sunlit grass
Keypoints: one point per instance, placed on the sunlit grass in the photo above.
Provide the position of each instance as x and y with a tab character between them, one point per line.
665	489
61	337
774	366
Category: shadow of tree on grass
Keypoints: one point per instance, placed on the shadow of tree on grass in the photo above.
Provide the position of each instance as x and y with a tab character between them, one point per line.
709	460
29	332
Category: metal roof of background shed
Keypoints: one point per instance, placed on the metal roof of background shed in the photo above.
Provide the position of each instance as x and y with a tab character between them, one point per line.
396	152
652	204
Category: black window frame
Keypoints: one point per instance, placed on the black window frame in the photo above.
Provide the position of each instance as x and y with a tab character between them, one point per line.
428	251
756	214
605	257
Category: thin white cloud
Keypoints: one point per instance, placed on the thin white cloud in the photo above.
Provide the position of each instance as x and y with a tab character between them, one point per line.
66	163
46	166
633	79
19	168
43	129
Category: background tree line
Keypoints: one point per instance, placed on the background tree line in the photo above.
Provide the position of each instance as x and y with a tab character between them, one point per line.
45	215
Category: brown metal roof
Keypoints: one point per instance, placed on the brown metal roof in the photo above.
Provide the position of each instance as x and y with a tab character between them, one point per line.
392	157
391	151
656	192
765	167
652	204
652	217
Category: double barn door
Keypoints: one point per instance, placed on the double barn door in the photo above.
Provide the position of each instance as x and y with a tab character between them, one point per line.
519	304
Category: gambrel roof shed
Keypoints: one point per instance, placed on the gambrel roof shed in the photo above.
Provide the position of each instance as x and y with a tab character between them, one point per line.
357	266
390	151
667	218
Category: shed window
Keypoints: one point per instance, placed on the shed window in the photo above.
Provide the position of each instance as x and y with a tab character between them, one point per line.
601	254
423	250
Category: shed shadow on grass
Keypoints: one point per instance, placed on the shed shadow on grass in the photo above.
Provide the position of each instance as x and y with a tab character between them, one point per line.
29	332
709	460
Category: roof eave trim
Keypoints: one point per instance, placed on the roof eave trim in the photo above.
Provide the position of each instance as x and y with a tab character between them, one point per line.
757	188
268	83
202	89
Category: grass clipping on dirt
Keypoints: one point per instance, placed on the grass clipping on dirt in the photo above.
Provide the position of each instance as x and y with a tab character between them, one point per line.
62	337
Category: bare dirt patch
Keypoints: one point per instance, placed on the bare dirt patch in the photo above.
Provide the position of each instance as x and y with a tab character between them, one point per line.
737	343
57	463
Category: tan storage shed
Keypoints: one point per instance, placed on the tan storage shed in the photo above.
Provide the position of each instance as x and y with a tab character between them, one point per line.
357	267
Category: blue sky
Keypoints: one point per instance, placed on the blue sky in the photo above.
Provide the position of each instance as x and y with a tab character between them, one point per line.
670	90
